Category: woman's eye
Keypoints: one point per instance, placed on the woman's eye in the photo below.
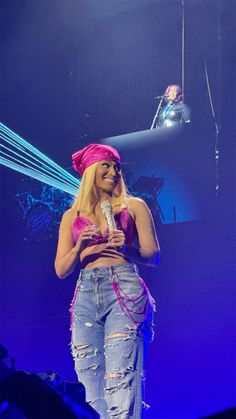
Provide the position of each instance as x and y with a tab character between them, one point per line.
105	164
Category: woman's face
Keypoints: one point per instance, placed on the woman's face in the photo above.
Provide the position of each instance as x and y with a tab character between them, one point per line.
173	93
107	175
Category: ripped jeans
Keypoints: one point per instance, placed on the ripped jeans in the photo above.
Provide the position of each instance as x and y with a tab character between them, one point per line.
111	325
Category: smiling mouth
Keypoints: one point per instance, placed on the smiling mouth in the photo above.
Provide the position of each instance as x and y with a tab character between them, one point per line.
109	180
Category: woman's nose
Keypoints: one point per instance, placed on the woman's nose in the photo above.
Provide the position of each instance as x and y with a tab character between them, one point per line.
112	170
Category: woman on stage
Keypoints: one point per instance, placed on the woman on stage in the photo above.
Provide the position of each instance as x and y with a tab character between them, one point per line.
175	111
112	309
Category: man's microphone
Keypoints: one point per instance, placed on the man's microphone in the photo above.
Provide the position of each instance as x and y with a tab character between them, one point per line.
108	214
161	97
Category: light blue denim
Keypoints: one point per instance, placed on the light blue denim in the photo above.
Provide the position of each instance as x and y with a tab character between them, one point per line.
111	325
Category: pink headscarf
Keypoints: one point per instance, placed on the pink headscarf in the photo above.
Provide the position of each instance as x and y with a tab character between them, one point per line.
92	154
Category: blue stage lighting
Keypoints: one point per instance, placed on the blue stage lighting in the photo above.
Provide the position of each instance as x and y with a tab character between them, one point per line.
18	154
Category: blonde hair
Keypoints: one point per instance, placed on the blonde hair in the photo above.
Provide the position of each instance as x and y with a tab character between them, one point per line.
88	195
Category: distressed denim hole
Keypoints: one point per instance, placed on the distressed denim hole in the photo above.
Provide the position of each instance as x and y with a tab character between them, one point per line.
117	335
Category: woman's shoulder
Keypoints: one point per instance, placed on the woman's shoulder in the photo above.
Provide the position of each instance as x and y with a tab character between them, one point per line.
136	204
69	216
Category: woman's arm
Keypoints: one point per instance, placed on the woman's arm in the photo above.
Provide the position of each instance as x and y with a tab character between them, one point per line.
186	114
149	251
68	253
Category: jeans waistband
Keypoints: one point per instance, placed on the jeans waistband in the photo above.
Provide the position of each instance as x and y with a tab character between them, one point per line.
110	270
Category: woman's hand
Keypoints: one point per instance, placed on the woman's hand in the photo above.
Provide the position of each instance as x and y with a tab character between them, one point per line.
86	235
116	238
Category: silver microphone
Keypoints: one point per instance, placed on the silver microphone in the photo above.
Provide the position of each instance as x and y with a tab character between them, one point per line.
107	212
161	97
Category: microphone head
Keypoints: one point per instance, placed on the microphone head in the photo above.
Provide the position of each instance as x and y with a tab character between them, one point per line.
106	206
161	97
107	212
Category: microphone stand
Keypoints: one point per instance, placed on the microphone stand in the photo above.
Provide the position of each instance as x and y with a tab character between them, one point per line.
156	114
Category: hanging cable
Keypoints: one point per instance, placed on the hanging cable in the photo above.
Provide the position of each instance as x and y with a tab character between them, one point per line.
217	149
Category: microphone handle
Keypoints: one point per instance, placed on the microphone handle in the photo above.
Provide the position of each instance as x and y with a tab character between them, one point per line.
111	224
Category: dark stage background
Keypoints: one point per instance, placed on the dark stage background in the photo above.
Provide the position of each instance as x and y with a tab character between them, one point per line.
75	72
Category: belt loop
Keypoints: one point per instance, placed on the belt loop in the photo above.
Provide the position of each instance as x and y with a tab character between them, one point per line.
80	275
111	273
